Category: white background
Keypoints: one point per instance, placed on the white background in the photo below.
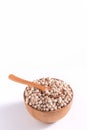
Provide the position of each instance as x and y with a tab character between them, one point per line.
40	39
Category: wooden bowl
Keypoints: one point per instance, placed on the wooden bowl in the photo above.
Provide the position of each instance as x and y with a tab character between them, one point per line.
48	117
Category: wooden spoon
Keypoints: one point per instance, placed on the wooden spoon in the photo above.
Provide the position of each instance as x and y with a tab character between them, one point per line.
31	84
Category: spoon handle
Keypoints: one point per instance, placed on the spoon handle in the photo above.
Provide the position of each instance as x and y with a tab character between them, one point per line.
22	81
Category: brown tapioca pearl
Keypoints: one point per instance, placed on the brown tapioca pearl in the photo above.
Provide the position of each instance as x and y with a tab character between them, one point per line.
70	95
27	100
39	94
64	104
63	97
30	103
55	100
51	109
35	106
40	102
47	109
59	88
27	88
59	100
66	101
26	93
64	92
47	92
43	94
57	83
69	99
49	106
58	107
55	108
44	109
